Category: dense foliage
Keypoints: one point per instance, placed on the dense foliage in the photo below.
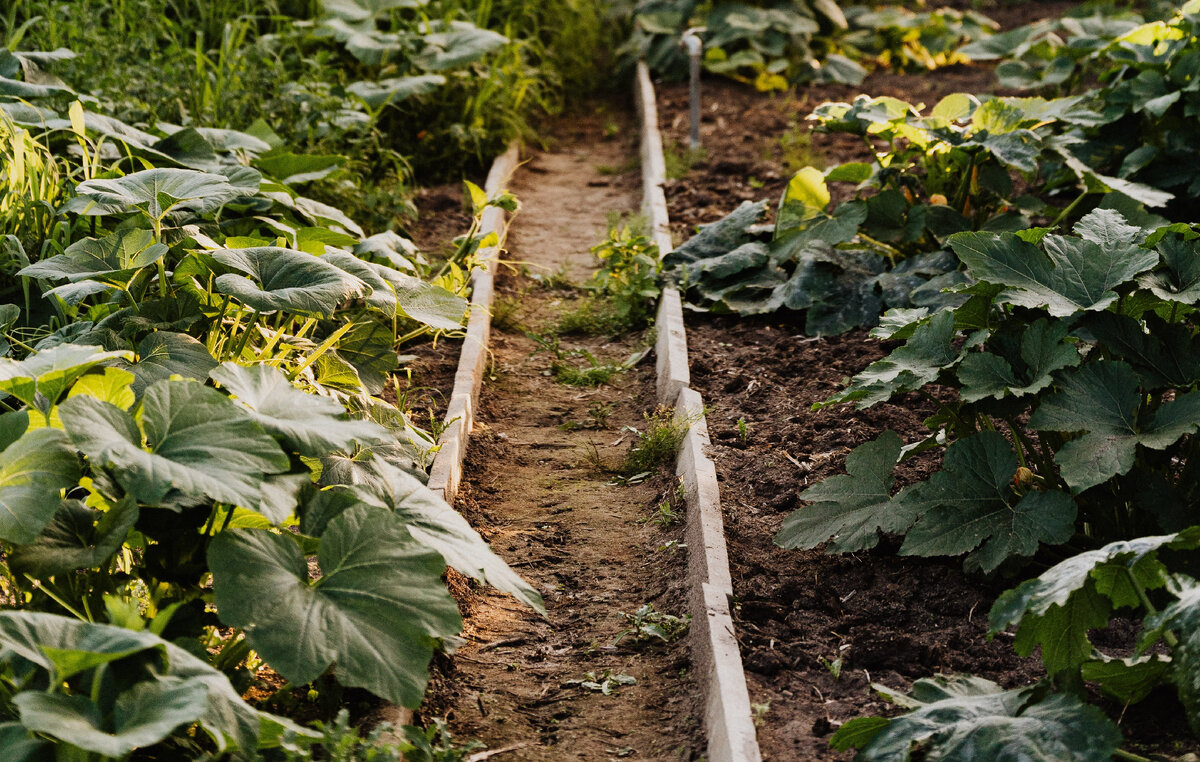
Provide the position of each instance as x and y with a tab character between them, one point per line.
197	462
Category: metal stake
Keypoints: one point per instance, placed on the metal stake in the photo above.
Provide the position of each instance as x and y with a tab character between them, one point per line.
691	41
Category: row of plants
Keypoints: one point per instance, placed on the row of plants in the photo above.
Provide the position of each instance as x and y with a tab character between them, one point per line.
1033	270
409	90
200	473
1031	263
775	45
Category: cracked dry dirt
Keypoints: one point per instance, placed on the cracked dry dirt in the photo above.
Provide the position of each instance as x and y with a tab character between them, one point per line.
544	496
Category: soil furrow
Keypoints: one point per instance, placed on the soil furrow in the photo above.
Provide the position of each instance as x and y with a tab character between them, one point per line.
539	481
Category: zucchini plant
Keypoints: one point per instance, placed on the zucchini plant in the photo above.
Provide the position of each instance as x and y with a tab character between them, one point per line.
1068	402
955	169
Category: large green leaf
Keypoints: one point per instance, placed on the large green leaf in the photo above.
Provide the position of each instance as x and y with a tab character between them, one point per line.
113	259
393	290
1073	274
51	371
1102	399
1043	351
1056	610
77	538
1179	280
34	470
1165	355
163	354
850	511
376	611
64	646
971	504
284	279
395	89
456	44
141	716
370	347
922	358
307	423
434	523
154	192
292	168
958	720
197	442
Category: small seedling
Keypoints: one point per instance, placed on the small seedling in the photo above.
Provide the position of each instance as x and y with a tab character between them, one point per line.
743	430
606	682
646	623
663	516
759	712
672	546
834	667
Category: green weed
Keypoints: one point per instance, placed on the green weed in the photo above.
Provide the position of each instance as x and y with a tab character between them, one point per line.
658	443
622	293
680	160
646	624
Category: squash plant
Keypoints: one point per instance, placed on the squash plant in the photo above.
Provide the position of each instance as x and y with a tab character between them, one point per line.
956	168
1074	407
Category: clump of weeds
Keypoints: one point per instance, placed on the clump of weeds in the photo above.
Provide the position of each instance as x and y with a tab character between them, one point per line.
598	414
604	682
621	295
566	369
658	442
646	624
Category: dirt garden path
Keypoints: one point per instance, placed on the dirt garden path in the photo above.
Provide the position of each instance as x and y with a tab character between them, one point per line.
539	483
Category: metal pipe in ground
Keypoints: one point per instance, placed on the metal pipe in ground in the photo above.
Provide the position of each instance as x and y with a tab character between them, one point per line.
695	46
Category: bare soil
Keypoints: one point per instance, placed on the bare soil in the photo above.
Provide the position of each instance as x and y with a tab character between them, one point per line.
539	483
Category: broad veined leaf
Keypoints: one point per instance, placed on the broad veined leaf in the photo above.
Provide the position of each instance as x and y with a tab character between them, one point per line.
163	354
1179	280
1102	399
719	237
376	611
395	89
51	371
142	716
458	43
113	259
980	720
1128	680
370	347
850	511
1163	354
434	523
360	11
971	504
1073	274
284	279
34	470
77	538
64	646
309	424
1057	609
155	192
1043	351
197	441
922	358
293	168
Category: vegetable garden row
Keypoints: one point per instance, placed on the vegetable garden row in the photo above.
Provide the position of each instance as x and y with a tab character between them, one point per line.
215	519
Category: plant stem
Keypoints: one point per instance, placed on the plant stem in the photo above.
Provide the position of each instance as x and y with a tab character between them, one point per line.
1128	755
1168	636
1068	209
